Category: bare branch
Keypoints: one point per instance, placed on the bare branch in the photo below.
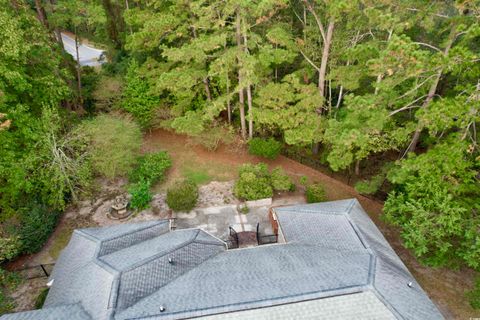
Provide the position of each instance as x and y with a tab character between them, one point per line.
435	14
317	19
408	106
416	87
429	46
310	61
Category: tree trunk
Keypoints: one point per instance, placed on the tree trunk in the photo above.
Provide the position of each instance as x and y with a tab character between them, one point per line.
127	7
250	110
241	96
357	168
204	80
249	92
340	96
325	54
207	88
323	71
431	93
380	76
42	15
58	34
229	107
79	71
115	23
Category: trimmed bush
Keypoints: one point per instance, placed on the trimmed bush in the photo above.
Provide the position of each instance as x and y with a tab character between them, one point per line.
315	193
182	196
254	182
269	148
281	181
141	195
151	167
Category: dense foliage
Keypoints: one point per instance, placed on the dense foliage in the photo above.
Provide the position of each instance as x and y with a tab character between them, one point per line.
114	143
267	148
151	167
435	203
182	196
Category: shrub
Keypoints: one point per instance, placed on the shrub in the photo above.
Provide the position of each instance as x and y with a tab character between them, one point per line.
303	181
371	186
281	181
269	148
315	193
141	195
9	247
374	184
37	223
211	139
151	167
182	196
474	295
114	144
254	182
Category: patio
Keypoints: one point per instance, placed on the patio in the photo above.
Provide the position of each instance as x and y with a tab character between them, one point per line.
217	220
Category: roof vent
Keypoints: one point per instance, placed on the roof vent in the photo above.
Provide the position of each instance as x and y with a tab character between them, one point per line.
170	260
410	284
162	309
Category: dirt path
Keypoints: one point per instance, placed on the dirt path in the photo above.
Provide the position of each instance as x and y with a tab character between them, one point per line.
445	287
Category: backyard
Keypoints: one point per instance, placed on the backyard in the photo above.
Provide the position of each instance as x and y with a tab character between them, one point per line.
214	171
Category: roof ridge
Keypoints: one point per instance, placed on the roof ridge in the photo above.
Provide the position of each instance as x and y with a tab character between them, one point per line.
177	277
160	254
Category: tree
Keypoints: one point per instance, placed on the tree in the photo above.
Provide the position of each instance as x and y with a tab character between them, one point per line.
435	205
290	107
136	97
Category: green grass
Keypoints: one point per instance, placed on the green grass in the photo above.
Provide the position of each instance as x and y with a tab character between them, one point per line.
40	300
199	176
60	242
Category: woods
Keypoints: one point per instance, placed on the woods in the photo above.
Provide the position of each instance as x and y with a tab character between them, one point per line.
348	83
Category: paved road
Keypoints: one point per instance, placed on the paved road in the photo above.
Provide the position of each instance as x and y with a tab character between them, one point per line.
88	56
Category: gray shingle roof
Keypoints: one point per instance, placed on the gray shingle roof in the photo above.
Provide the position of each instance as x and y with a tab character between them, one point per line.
256	277
363	305
335	262
390	276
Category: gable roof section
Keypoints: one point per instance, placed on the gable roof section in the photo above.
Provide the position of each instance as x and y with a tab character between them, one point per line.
348	227
109	269
256	277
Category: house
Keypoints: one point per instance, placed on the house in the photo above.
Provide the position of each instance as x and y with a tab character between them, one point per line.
331	262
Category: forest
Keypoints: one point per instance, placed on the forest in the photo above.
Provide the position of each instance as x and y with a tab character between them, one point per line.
386	90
